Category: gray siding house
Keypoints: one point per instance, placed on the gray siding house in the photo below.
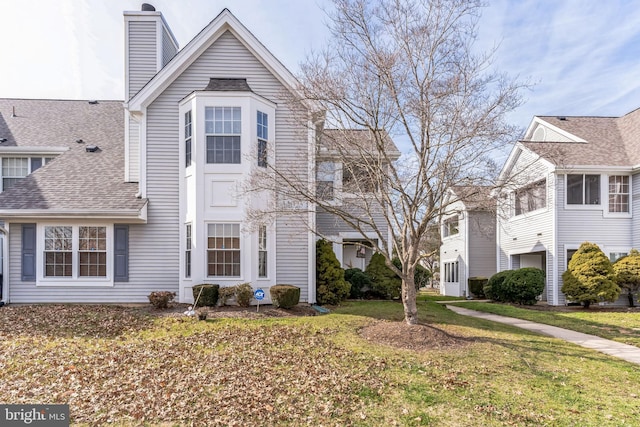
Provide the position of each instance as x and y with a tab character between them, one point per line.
105	201
468	236
570	180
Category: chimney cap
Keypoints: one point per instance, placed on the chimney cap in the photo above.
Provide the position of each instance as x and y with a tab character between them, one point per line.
146	7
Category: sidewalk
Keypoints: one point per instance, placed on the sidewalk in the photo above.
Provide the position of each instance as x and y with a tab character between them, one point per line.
612	348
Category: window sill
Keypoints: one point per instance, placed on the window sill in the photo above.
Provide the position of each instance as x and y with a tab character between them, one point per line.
74	283
529	214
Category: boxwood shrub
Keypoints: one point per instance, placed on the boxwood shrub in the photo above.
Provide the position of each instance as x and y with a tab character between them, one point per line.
209	296
524	285
476	286
494	288
284	296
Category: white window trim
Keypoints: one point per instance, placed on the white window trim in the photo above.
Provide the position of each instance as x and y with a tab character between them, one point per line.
338	195
75	280
608	250
451	236
604	193
243	259
606	213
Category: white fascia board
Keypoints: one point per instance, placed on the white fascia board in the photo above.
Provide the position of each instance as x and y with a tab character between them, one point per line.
196	47
130	215
537	120
33	150
594	168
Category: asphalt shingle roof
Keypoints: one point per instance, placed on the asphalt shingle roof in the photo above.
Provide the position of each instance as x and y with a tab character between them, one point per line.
363	138
610	141
75	179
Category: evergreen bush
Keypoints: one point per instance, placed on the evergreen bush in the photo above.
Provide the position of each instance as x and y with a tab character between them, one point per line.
476	286
421	275
208	297
494	288
523	286
360	282
590	277
627	271
331	288
385	283
284	296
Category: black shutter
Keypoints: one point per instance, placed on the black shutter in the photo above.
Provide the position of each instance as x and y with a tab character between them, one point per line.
121	253
28	252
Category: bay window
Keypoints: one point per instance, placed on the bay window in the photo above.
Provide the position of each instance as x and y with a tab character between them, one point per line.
263	136
262	251
188	132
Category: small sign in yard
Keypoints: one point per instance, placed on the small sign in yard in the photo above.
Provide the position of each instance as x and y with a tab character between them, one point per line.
258	294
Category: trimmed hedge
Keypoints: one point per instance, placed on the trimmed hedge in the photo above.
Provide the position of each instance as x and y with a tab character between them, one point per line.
476	286
524	285
209	296
161	299
244	294
284	296
494	288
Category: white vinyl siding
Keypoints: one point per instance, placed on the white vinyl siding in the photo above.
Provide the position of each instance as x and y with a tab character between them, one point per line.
168	48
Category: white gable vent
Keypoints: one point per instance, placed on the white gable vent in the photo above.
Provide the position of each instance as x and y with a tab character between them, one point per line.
539	134
92	148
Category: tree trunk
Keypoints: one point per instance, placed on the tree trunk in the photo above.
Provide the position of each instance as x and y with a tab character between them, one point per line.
630	297
409	299
587	304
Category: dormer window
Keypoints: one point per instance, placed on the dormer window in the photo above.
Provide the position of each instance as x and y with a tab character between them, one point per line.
13	169
223	127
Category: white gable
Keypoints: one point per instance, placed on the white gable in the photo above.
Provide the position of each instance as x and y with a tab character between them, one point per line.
542	131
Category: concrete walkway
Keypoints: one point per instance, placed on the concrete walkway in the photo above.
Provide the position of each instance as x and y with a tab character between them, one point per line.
613	348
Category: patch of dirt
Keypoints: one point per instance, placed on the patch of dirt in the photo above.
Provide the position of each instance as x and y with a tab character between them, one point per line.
418	337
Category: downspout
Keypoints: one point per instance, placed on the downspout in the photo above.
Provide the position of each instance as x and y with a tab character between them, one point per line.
467	232
554	237
4	294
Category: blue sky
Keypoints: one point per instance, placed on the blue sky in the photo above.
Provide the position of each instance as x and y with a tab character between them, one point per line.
583	56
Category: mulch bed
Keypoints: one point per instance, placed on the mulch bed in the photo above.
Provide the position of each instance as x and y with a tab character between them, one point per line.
420	337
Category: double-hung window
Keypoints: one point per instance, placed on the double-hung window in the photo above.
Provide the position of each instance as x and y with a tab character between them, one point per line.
223	127
325	177
263	137
583	189
13	169
618	193
187	253
262	251
71	251
188	132
223	250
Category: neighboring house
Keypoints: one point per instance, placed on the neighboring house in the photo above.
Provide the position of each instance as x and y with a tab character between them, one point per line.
468	236
105	203
571	180
350	185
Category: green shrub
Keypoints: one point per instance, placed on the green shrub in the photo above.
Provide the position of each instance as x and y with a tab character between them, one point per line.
524	285
284	296
244	294
208	297
421	275
590	277
627	271
360	282
385	283
494	288
331	288
476	286
161	299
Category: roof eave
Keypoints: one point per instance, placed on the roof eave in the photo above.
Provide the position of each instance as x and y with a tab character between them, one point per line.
132	216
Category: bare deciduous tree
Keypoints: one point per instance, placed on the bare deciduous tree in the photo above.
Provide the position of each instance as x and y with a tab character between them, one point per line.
405	69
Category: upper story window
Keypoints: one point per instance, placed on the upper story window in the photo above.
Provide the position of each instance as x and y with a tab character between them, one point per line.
188	133
450	227
13	169
325	180
223	127
618	193
263	137
357	180
16	168
583	189
531	197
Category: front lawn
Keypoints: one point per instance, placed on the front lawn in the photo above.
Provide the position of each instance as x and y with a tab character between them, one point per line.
621	326
352	367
